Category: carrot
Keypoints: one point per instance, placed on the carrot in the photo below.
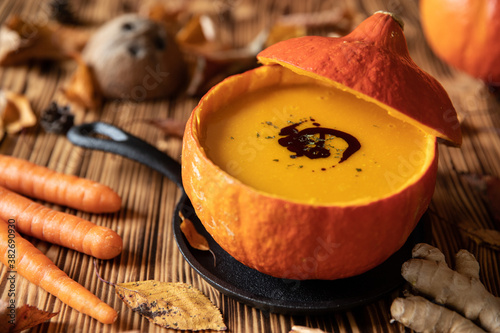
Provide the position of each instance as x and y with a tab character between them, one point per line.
59	228
39	182
37	268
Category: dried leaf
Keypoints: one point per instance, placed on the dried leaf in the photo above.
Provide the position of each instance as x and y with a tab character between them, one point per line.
15	112
194	239
25	317
82	88
174	305
173	16
21	41
210	59
5	316
170	127
198	31
488	237
337	19
211	66
29	316
304	329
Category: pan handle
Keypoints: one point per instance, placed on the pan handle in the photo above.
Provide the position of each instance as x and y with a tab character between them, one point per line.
125	144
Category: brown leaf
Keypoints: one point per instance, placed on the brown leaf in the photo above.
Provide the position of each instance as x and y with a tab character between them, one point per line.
341	19
15	112
82	88
170	127
211	66
194	239
25	317
210	60
488	237
173	16
200	32
6	318
174	305
304	329
21	41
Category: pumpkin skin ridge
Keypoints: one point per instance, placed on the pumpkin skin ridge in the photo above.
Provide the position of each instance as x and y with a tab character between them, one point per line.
385	61
255	215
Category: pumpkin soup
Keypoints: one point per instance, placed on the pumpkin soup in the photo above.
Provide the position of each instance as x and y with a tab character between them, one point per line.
314	143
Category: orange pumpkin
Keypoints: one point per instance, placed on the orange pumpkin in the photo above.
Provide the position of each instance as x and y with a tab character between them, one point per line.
310	239
465	35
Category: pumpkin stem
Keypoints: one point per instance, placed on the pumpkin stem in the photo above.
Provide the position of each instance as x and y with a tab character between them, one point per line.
396	18
382	29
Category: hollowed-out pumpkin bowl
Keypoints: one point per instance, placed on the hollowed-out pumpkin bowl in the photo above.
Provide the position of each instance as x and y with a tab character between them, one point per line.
340	223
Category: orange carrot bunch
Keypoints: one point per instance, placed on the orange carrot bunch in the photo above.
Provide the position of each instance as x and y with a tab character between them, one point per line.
31	218
37	268
60	228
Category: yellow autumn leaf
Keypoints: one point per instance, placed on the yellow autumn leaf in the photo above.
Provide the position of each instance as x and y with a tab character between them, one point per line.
174	305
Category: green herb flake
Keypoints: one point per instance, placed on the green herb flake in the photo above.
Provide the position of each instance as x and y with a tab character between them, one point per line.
359	169
276	160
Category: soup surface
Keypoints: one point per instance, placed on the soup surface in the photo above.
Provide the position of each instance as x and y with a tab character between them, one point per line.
311	143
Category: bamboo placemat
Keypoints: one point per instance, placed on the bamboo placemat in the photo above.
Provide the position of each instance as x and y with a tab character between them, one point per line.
149	199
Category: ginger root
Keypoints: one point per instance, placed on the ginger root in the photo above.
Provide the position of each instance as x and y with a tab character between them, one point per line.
421	315
466	301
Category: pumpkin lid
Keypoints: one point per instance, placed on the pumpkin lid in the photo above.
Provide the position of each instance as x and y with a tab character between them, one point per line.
373	62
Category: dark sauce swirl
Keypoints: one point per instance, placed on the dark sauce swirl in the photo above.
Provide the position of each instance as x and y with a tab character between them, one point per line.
310	142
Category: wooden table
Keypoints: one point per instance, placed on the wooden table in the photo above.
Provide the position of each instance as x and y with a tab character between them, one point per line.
149	199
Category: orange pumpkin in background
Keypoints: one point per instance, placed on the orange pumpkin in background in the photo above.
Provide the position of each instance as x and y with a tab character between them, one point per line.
465	34
297	217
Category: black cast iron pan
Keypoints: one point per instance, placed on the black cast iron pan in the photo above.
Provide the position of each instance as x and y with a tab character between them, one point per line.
233	278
